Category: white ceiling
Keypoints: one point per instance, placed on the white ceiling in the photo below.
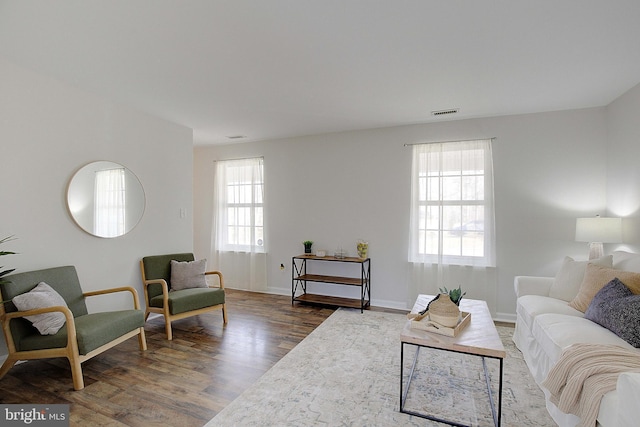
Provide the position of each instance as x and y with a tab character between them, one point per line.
278	68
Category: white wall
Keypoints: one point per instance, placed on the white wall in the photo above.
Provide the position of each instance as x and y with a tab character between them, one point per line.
48	130
623	179
336	188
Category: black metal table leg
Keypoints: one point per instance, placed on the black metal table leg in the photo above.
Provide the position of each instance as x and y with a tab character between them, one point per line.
497	416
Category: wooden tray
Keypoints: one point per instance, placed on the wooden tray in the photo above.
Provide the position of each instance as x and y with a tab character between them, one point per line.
427	325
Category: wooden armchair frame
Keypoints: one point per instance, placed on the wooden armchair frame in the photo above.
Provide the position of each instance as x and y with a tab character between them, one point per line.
165	309
70	351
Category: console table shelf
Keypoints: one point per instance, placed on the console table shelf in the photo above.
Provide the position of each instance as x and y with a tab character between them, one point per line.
327	300
300	279
353	281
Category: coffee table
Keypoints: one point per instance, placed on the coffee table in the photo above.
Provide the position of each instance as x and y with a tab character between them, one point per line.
479	338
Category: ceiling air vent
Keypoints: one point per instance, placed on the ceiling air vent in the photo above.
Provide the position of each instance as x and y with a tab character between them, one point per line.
236	137
445	112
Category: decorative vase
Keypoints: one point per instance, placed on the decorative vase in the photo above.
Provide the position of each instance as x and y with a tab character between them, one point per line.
363	248
444	311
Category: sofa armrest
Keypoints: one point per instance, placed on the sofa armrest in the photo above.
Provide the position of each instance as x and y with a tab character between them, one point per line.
532	285
628	397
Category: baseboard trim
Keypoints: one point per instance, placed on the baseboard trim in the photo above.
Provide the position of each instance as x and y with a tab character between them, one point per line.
499	317
505	317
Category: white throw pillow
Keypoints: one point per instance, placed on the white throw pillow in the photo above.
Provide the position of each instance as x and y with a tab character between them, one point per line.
188	274
626	261
568	280
42	296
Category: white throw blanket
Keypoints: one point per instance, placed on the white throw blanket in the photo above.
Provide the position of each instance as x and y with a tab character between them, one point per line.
585	373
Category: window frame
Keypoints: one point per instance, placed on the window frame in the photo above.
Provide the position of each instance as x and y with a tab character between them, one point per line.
240	199
428	201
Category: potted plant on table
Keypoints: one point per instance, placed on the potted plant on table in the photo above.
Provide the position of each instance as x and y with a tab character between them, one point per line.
307	246
454	294
444	309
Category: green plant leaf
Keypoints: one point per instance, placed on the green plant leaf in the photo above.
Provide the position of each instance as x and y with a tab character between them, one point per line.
5	272
454	294
2	273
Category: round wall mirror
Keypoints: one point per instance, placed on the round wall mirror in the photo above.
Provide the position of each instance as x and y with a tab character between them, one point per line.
105	199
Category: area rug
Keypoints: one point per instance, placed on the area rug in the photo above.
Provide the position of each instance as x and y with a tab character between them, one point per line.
347	373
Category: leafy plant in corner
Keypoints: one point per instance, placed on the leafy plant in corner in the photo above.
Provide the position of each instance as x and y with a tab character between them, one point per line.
455	294
5	272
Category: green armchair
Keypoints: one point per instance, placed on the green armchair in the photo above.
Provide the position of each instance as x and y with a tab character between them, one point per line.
178	304
83	335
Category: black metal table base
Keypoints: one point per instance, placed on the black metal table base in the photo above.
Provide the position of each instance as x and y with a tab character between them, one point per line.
404	391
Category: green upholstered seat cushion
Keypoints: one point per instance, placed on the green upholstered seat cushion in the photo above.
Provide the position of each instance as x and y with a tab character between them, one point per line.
190	299
93	331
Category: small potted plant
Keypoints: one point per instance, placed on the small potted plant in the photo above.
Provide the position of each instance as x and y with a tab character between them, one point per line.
446	310
454	294
307	246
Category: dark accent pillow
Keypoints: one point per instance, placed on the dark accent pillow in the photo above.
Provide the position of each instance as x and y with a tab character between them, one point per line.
616	308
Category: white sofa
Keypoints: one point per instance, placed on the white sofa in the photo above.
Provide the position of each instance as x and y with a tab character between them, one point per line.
546	324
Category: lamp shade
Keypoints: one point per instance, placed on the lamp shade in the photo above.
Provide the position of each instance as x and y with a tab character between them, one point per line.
601	230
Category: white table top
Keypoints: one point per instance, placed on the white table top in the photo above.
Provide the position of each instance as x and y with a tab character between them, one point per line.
480	337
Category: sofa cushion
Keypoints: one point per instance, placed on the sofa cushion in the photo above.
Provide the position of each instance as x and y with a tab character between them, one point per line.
42	296
616	308
569	278
554	332
628	388
190	299
188	274
626	261
595	277
530	306
92	330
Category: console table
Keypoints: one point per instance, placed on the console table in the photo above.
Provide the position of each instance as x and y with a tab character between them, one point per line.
300	279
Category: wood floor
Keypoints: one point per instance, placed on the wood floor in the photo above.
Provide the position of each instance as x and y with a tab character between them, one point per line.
184	382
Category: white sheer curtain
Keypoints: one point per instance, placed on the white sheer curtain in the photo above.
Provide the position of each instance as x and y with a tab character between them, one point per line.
109	203
238	243
452	238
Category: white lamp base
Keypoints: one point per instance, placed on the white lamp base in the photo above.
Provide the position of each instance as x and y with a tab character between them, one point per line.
595	250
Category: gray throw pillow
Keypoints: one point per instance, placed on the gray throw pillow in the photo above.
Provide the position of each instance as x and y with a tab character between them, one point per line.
188	274
42	296
616	308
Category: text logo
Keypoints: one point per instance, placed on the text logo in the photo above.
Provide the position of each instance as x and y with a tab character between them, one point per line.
34	415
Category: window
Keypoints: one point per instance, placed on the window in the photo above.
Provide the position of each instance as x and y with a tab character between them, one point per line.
240	205
109	213
452	204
